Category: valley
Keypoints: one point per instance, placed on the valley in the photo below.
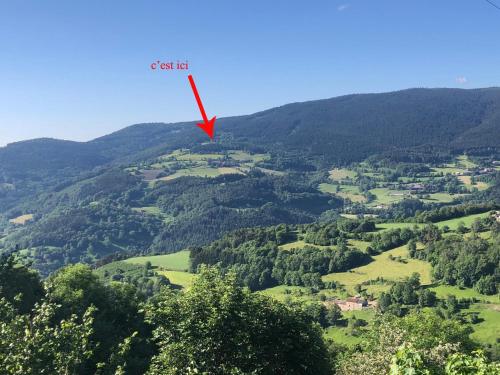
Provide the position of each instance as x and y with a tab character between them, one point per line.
378	276
345	233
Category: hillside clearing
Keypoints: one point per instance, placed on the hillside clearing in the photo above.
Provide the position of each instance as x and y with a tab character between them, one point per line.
179	278
170	262
21	220
382	266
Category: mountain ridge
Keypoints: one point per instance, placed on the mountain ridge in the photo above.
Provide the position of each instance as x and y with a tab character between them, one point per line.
150	125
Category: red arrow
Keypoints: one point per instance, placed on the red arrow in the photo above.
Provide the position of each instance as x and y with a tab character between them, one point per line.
207	126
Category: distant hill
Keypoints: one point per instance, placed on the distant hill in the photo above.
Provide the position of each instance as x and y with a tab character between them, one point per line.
346	128
90	200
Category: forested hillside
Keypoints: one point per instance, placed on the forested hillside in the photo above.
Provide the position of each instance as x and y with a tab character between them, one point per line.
353	235
157	188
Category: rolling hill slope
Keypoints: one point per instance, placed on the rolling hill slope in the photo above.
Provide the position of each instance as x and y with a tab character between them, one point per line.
369	123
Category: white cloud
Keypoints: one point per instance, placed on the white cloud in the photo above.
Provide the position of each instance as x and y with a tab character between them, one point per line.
343	7
461	80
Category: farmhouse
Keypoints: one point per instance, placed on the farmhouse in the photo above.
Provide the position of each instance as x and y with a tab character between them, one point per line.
416	186
486	170
351	304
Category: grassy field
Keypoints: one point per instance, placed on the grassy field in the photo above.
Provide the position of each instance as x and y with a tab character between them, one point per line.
466	220
361	245
382	266
201	172
339	174
299	245
174	262
299	293
488	330
185	163
341	335
444	290
150	210
21	220
452	223
441	197
281	292
248	158
450	169
179	278
467	181
345	191
155	211
387	196
387	226
464	161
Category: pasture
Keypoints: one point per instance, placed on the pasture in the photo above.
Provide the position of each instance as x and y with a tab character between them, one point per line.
299	293
382	266
442	291
358	244
342	335
487	331
300	244
448	169
179	278
182	163
467	181
200	172
465	162
170	262
150	210
441	197
345	191
452	224
466	220
387	196
339	174
21	220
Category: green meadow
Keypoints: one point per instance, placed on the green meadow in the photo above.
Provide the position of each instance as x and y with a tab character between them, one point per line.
345	191
173	262
382	266
300	244
338	174
442	291
342	334
179	278
487	331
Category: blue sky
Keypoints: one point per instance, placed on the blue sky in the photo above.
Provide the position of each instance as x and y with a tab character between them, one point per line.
81	69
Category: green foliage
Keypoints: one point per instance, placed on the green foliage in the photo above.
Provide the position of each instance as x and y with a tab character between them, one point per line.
117	315
255	257
144	278
464	262
204	209
487	284
19	285
406	293
426	332
32	345
217	327
407	361
452	212
84	234
475	364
